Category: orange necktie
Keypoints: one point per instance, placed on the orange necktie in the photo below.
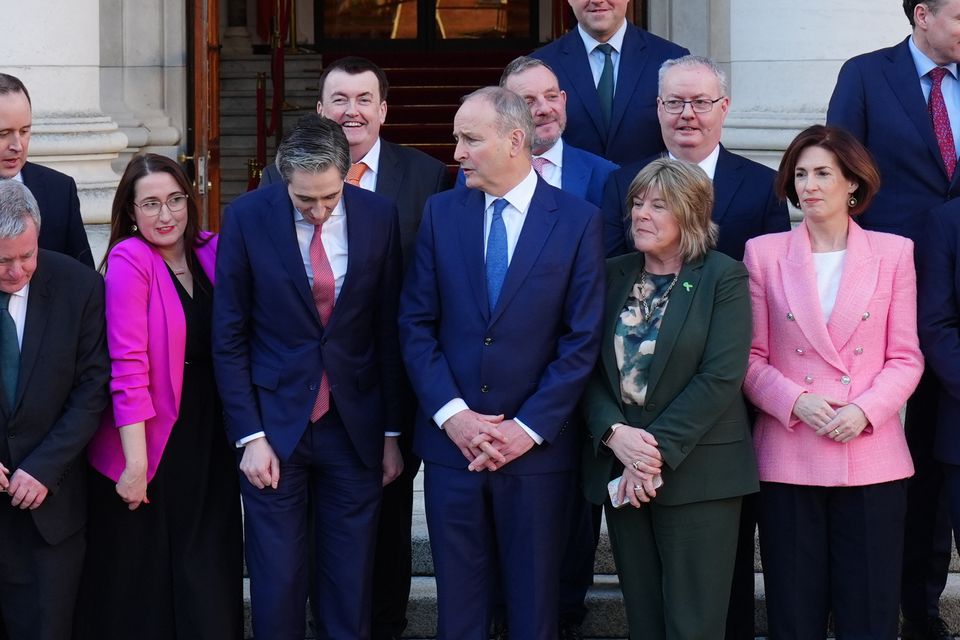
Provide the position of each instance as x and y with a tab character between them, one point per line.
355	172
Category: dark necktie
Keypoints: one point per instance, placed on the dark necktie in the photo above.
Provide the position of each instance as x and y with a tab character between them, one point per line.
9	350
496	253
605	84
941	120
324	292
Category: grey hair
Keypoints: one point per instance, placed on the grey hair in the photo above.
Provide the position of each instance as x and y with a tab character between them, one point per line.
694	61
521	64
17	206
512	112
314	145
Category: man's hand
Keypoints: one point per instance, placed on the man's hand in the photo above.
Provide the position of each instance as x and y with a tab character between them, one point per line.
4	477
392	460
27	491
515	443
260	464
464	426
132	486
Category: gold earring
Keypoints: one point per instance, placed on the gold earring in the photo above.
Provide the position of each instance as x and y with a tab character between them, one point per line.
852	202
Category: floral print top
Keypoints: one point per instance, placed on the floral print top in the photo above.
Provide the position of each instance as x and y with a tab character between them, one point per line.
635	339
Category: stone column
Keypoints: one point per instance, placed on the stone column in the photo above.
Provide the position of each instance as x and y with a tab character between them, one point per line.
54	47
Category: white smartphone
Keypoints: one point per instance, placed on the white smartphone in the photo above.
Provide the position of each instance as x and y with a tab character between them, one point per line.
613	488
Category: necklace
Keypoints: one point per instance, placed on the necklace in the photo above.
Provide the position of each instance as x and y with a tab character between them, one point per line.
645	308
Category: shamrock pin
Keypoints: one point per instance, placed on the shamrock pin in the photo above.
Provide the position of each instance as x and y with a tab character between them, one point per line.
687	286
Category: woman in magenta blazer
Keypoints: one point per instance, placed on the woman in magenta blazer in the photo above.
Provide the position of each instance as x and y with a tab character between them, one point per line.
834	357
164	541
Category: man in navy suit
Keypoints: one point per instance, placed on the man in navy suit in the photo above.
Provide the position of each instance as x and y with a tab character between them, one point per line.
307	361
883	98
500	326
628	69
353	93
691	108
56	193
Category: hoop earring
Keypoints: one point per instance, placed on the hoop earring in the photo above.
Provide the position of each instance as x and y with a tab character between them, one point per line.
852	202
134	228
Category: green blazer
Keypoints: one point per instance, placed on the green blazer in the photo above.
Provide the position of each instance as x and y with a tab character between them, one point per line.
694	407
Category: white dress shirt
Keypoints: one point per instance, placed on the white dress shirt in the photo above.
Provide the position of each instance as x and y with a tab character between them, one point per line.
950	87
368	180
708	164
518	203
18	310
553	171
596	58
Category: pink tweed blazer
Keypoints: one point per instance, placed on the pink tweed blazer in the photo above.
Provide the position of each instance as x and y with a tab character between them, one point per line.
146	335
868	354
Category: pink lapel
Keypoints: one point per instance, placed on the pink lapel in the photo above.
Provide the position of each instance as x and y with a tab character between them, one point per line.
800	288
861	270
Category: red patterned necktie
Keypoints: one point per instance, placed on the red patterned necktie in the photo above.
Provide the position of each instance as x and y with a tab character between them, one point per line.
941	120
324	292
539	164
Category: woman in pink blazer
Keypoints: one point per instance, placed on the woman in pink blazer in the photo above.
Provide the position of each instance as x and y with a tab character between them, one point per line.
164	540
834	357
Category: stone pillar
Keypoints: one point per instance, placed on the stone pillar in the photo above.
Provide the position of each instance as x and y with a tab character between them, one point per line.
54	47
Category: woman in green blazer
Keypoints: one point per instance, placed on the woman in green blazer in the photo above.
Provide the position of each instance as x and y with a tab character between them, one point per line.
665	414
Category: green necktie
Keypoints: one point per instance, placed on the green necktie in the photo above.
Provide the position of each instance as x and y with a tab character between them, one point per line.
605	84
9	350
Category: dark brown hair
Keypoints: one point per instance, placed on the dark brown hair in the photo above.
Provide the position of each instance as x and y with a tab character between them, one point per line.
910	6
355	65
13	84
123	213
855	162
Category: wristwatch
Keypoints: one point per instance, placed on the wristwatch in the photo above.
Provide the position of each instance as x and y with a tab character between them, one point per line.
605	439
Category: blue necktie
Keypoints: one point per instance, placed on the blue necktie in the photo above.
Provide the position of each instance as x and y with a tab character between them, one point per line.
496	253
605	84
9	350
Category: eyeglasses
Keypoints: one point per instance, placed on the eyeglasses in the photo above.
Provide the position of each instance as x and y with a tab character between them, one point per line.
700	105
175	204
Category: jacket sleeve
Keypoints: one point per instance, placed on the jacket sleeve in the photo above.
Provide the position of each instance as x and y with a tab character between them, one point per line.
847	108
938	303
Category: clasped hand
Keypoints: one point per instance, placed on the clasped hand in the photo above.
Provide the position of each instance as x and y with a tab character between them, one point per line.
26	491
487	442
638	452
839	421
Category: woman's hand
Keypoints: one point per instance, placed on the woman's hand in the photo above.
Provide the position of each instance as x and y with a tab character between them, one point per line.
814	410
849	423
132	486
636	492
636	449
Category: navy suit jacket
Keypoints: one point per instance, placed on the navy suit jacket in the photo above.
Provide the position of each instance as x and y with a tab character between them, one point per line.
879	100
529	357
744	205
269	346
61	227
938	310
584	174
406	177
634	131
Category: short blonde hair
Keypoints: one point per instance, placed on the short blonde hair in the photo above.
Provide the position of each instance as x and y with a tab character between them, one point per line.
688	193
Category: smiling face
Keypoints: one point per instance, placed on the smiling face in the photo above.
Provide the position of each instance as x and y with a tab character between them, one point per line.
548	104
165	229
689	135
18	259
938	34
16	119
353	101
600	18
316	195
654	226
822	189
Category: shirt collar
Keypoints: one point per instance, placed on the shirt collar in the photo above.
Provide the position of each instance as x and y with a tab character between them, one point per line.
925	64
338	210
372	159
554	154
708	164
18	177
23	292
615	41
520	196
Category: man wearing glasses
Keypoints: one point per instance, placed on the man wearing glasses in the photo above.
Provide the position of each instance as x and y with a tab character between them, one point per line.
691	108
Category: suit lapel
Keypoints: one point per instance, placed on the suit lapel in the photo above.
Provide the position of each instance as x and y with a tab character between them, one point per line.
280	227
390	173
577	69
38	312
861	271
618	289
726	181
540	220
470	221
901	74
359	236
673	319
800	288
575	174
633	62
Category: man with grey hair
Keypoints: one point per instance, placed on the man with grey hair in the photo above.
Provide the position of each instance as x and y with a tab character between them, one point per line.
500	325
691	107
54	372
307	361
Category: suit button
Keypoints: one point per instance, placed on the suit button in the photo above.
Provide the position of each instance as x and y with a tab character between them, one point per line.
866	314
11	436
808	379
484	388
650	406
858	351
313	387
844	379
799	351
487	342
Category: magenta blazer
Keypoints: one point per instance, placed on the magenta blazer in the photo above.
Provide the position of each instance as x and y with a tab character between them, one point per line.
868	354
146	335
